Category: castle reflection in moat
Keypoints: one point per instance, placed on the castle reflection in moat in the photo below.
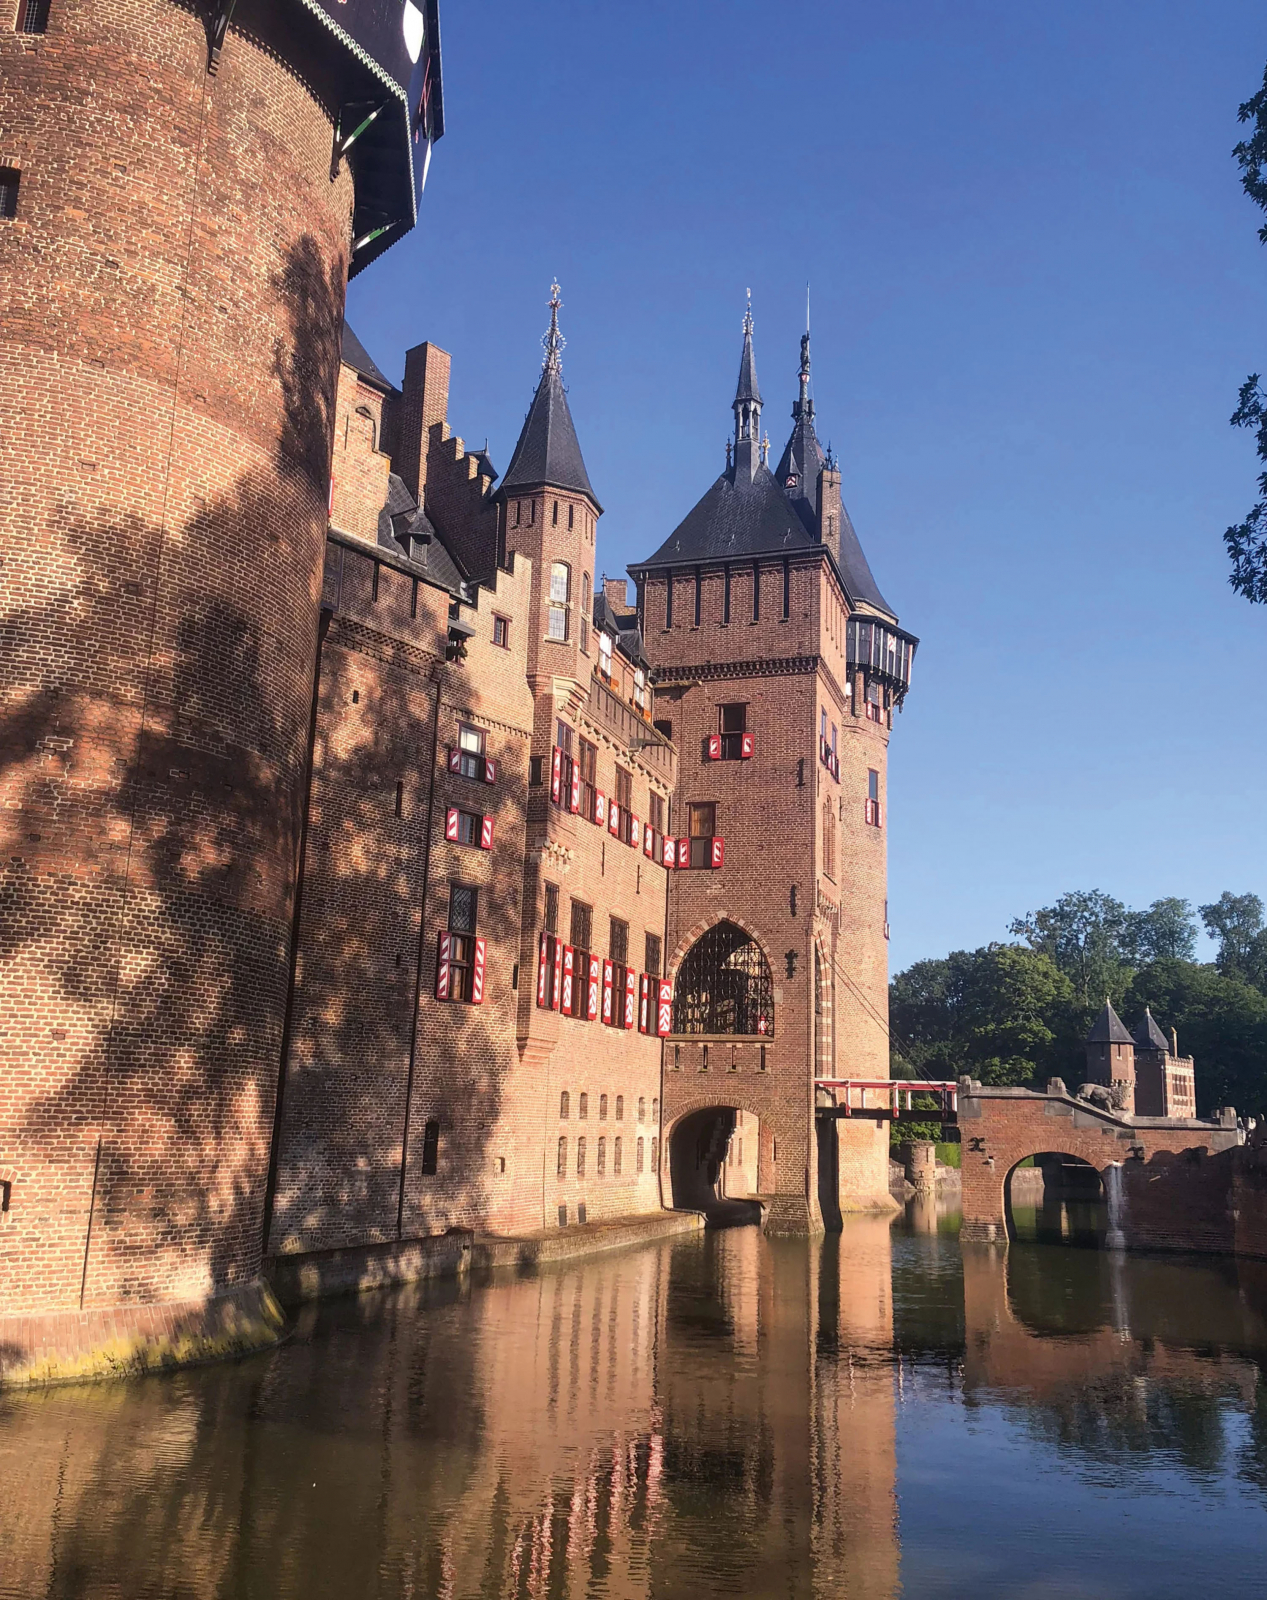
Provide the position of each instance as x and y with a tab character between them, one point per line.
726	1415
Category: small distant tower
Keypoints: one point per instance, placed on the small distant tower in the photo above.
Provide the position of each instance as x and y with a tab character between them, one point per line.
1111	1057
1164	1080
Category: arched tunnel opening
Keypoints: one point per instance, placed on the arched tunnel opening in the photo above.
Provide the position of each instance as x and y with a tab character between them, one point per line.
714	1156
1055	1198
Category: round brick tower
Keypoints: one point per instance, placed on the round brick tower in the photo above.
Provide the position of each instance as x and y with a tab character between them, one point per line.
174	264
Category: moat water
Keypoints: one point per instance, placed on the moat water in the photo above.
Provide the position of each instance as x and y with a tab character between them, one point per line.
881	1413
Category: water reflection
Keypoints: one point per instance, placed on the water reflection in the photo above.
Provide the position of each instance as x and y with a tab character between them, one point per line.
731	1415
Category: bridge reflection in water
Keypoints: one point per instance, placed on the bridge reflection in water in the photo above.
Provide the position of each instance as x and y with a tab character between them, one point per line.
726	1415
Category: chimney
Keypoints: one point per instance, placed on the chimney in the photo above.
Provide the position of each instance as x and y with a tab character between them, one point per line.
616	594
1174	1041
829	512
424	405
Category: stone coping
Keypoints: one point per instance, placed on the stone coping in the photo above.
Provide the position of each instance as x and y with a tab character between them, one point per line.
492	1251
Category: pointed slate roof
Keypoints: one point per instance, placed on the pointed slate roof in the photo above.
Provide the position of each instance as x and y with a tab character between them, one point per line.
1109	1028
1148	1036
746	388
856	569
548	451
356	356
735	518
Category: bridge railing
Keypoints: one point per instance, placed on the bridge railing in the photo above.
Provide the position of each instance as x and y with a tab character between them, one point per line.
890	1097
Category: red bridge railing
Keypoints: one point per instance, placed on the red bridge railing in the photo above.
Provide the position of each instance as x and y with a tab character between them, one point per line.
893	1097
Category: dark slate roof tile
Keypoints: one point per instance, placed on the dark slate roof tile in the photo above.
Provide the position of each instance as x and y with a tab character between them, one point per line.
1109	1028
548	452
356	356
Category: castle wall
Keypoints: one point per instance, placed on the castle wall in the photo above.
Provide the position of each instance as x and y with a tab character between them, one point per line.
169	348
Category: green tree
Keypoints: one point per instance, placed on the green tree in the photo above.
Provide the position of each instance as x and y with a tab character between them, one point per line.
1247	541
1236	921
1167	931
1222	1024
1085	935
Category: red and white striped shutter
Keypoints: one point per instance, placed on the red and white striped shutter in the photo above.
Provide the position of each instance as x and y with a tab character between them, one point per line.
556	773
600	807
714	747
745	746
719	852
486	834
684	852
477	974
644	1004
543	970
556	987
670	852
613	817
455	759
576	788
664	1009
591	998
607	991
451	823
631	1004
442	966
648	840
633	830
879	815
490	770
569	981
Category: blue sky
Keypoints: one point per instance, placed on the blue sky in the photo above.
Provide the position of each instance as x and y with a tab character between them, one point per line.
1036	289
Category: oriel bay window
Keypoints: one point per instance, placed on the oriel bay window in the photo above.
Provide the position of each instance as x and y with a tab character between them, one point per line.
560	601
460	957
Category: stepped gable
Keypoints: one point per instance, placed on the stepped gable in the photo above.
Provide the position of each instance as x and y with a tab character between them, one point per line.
548	451
1109	1028
1148	1036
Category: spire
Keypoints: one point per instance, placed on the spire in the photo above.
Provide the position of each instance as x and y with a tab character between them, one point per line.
548	453
747	404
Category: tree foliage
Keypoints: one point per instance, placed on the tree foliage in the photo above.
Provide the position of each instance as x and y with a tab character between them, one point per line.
1247	541
1014	1014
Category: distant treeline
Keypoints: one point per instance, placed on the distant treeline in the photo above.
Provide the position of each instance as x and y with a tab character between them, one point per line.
1017	1014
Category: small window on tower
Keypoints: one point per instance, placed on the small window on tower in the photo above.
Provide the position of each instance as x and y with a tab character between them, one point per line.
501	632
618	948
9	179
560	595
34	17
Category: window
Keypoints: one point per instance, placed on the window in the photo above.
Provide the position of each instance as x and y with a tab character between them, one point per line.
624	804
589	778
501	632
552	908
400	799
652	955
662	725
517	505
602	1108
554	521
583	1108
616	1154
34	17
640	689
657	813
600	1166
571	516
582	925
732	724
702	828
562	1170
605	655
655	1155
585	612
580	1158
470	751
620	1108
9	179
829	840
642	1108
465	827
822	724
873	798
463	911
565	1104
655	1111
756	592
668	601
699	595
787	588
725	602
874	712
638	1160
618	947
430	1149
560	594
724	986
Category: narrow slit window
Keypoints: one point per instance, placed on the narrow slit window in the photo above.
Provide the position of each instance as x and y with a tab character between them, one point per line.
34	17
430	1149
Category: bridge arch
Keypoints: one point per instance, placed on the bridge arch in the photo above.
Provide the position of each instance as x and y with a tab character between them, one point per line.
719	1153
1055	1197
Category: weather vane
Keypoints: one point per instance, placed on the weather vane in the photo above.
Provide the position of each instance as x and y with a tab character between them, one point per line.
553	341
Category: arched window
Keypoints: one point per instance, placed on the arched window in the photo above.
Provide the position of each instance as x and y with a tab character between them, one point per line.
602	1108
620	1108
563	1156
583	1107
655	1110
724	986
368	415
616	1155
580	1158
642	1108
641	1154
560	595
601	1165
565	1106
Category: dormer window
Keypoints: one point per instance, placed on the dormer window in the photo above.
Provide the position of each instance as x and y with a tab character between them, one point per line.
560	595
605	655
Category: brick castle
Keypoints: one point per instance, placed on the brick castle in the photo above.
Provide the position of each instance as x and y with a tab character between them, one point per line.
370	870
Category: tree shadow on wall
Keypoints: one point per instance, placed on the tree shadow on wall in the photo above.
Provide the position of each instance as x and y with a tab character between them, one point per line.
153	745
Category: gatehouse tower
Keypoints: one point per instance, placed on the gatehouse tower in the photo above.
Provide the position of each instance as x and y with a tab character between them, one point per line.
778	667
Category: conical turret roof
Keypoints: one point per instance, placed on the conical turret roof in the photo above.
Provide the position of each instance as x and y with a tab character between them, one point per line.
548	452
1148	1036
1109	1028
746	388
